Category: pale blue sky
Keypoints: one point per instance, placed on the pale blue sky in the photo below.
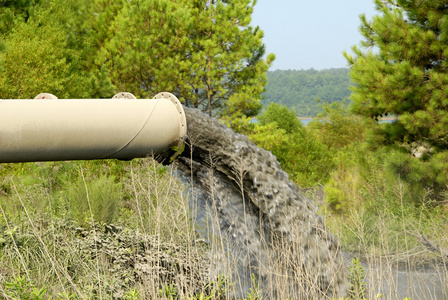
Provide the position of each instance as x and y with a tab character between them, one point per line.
307	34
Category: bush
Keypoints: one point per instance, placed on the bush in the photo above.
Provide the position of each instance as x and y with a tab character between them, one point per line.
97	198
337	127
285	118
368	203
307	161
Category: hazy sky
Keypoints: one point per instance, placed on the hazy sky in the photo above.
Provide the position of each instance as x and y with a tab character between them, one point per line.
307	34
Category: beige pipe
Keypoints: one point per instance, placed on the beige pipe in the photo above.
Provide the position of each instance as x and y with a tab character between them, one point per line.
52	130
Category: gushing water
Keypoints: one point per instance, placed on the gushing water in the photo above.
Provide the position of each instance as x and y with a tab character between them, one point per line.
265	226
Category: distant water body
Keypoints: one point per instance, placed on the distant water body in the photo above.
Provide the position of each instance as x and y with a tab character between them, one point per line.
306	121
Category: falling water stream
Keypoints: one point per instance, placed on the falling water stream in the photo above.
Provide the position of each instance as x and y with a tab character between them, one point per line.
260	225
265	226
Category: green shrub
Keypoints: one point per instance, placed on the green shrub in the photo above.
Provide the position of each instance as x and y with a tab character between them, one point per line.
21	288
357	277
307	161
337	127
98	198
285	118
369	200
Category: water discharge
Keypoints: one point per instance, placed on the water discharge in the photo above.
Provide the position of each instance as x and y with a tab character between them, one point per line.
265	225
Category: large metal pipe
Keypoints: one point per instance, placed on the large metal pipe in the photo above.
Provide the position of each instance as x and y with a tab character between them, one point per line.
74	129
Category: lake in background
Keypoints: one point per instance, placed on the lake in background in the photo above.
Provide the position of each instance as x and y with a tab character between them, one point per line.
305	121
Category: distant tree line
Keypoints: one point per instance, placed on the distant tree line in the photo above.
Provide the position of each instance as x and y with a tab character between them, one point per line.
299	89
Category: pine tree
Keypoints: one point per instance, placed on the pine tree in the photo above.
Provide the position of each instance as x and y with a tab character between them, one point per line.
229	73
144	47
35	61
204	51
47	53
13	12
2	49
403	71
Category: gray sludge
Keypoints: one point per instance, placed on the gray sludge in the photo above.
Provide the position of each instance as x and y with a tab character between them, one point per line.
266	227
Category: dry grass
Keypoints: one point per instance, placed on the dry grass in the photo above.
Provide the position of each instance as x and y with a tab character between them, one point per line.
152	250
392	249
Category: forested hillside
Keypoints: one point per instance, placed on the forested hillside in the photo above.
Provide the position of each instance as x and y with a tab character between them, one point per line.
298	89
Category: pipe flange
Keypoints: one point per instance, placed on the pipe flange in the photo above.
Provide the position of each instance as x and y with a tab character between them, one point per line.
46	96
124	95
182	121
178	105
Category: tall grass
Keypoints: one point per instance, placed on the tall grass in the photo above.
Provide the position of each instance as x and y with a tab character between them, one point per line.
59	238
94	237
397	236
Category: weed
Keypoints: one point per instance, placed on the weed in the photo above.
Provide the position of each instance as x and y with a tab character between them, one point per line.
169	292
132	295
254	293
357	277
99	198
19	288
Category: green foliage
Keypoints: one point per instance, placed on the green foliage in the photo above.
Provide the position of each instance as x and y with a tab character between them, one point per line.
13	12
373	202
19	288
2	49
169	292
204	52
359	180
284	118
408	75
227	62
214	290
304	158
299	89
151	235
335	198
357	277
97	198
145	46
46	54
345	179
427	177
62	190
337	127
242	124
31	67
254	293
